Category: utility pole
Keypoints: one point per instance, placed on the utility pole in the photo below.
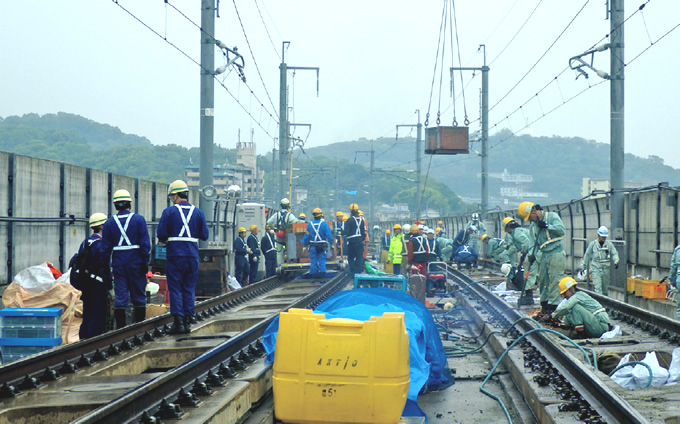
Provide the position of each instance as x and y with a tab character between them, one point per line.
617	87
284	125
419	151
485	131
207	101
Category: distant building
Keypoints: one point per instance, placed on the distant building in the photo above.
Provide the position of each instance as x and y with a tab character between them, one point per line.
601	185
244	173
392	212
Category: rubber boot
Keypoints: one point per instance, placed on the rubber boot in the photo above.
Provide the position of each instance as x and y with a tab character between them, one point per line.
119	315
527	298
140	313
178	325
187	324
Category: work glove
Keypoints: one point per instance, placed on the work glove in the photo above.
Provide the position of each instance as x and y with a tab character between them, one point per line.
255	259
250	251
531	259
541	224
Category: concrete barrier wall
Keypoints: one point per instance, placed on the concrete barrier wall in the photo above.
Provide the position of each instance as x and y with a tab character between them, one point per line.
45	207
651	225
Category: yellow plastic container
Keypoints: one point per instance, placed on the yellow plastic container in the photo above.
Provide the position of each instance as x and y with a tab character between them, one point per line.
340	370
630	285
654	290
639	287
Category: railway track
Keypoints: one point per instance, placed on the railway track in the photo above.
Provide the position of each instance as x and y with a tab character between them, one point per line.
561	384
141	374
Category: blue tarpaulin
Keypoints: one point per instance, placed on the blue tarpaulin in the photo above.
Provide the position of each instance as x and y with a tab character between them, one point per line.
427	359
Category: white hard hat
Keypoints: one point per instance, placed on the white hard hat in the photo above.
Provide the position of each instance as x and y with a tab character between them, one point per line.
421	227
406	228
430	231
475	216
603	231
505	269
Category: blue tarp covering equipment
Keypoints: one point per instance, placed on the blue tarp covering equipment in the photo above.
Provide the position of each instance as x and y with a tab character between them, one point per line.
427	359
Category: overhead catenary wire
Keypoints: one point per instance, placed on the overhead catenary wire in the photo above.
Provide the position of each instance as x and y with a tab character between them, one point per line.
516	33
267	30
185	54
243	28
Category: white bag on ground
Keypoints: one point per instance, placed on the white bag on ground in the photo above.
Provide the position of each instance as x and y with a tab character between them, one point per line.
233	282
35	279
614	332
674	368
641	373
624	376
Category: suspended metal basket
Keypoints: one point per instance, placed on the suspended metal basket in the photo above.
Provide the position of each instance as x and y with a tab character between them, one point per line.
447	141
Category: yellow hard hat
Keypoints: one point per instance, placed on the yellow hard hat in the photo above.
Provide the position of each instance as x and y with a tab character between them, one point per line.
387	232
507	220
344	218
241	229
484	237
439	223
361	213
317	212
121	196
414	229
339	214
566	283
269	227
437	230
524	210
302	215
97	219
252	227
177	186
353	207
396	226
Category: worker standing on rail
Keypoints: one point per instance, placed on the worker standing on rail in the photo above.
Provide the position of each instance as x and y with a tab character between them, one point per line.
355	234
480	228
254	255
546	234
180	227
339	224
268	247
127	237
318	238
579	309
433	251
95	292
518	242
396	249
278	222
600	255
241	251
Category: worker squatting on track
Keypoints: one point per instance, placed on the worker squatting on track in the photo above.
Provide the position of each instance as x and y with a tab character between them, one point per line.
127	237
180	227
581	311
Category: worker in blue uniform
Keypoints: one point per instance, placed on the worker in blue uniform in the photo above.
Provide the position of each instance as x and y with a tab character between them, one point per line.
254	255
318	238
180	227
461	239
241	250
268	247
339	225
127	237
355	235
95	294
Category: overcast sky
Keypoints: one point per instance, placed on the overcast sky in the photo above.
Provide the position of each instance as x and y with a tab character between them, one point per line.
377	60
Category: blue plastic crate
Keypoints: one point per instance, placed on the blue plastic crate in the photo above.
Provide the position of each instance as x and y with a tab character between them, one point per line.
13	349
40	323
395	282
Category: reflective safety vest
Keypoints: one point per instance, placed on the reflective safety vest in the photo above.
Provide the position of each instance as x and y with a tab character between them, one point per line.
185	234
271	243
419	250
317	240
123	234
359	221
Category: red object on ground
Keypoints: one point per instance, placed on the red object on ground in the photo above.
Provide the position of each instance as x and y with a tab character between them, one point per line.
54	271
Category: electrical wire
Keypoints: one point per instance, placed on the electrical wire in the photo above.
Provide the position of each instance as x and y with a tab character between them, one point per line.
197	63
460	64
267	31
516	33
243	28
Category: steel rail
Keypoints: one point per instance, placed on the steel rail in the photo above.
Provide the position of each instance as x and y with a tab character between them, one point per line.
150	328
147	398
602	399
